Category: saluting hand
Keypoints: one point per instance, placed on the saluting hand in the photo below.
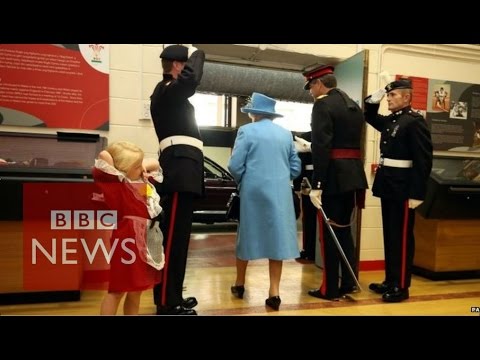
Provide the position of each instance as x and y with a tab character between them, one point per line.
376	97
191	50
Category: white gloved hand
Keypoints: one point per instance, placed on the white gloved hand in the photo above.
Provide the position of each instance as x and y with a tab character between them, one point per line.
302	145
376	97
191	50
386	77
414	203
316	198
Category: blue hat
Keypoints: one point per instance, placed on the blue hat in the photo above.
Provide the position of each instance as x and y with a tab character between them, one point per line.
175	52
261	105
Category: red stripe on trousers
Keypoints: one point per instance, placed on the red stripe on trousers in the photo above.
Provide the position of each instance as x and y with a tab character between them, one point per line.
171	226
321	240
404	244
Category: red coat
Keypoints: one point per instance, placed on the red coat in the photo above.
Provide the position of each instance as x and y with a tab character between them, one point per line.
125	198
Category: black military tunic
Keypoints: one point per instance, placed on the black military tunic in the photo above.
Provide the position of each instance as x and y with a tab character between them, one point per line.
337	123
173	114
182	166
405	137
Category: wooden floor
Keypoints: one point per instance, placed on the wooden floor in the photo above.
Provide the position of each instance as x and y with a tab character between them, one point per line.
211	271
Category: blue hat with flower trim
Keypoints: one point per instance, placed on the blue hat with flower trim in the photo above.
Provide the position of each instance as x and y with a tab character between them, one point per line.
261	105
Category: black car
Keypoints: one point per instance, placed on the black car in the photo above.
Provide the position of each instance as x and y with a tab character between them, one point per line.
219	185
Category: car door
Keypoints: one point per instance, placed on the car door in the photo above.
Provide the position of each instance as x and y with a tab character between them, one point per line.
219	185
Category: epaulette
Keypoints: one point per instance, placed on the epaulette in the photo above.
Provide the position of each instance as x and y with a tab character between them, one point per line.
415	113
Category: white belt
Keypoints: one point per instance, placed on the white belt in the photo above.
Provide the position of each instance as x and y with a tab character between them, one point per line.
309	167
396	163
181	140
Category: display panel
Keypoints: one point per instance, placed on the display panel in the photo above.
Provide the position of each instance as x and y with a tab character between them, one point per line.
453	190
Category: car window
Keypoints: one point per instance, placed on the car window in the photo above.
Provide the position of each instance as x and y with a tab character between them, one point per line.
211	172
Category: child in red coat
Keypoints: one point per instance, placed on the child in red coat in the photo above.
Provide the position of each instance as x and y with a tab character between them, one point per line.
125	177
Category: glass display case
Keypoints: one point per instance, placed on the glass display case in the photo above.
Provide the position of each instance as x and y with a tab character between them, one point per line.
447	224
64	157
453	190
36	158
63	153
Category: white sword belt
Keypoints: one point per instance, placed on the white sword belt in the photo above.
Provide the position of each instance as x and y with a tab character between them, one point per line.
396	163
181	140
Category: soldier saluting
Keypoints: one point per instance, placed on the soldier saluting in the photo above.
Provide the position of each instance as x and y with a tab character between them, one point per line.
181	158
400	181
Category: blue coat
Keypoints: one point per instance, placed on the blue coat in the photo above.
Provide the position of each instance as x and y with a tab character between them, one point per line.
263	162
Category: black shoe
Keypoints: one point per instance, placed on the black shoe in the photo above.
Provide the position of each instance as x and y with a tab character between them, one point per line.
380	288
396	295
189	302
316	293
344	290
274	302
175	310
238	290
305	256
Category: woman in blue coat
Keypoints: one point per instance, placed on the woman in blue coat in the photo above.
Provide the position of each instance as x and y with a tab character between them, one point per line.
263	163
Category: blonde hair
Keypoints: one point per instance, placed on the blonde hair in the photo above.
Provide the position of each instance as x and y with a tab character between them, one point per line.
124	155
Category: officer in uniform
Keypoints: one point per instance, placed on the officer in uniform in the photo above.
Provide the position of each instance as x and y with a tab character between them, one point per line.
181	159
309	212
400	181
338	180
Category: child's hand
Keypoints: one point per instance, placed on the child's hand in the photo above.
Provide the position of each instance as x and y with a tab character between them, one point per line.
105	156
150	164
145	174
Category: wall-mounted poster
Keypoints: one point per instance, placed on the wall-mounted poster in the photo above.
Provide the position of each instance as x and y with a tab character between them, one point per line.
452	111
55	85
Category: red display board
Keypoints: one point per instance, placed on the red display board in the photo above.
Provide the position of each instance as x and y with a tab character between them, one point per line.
55	85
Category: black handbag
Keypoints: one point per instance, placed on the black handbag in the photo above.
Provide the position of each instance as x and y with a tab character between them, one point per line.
233	207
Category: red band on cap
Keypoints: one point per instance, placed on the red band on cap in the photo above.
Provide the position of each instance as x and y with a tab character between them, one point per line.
319	73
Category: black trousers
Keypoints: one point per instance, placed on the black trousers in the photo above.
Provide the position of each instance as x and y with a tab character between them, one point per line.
309	226
399	242
338	208
176	227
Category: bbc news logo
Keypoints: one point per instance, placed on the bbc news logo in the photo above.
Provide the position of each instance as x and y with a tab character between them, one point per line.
73	240
92	222
83	220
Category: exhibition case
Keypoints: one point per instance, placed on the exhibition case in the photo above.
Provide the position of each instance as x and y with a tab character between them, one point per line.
27	158
453	190
447	244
